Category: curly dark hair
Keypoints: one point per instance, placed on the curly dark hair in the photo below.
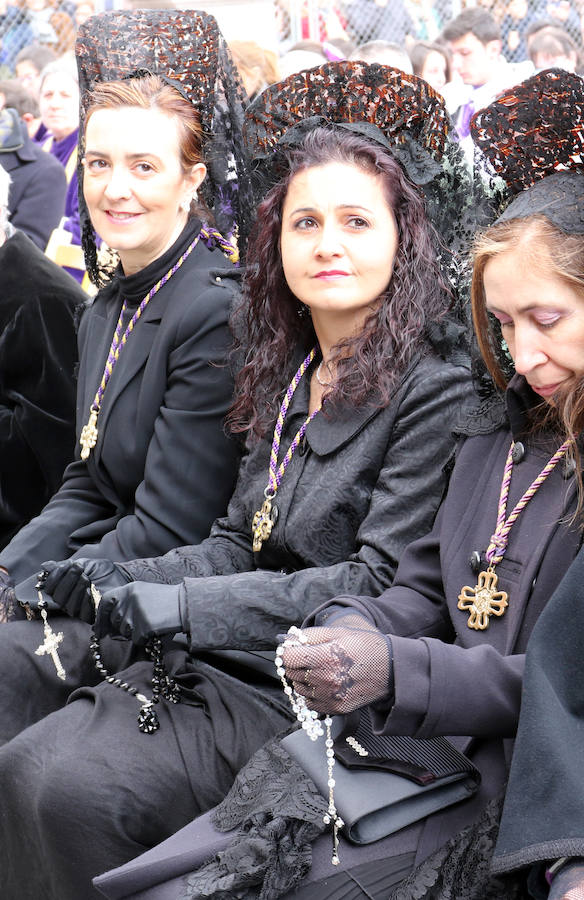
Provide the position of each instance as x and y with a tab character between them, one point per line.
370	365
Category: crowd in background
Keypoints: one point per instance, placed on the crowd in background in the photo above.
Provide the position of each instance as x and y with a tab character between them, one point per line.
470	57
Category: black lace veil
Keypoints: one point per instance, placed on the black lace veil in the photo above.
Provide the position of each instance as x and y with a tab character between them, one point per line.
403	114
186	48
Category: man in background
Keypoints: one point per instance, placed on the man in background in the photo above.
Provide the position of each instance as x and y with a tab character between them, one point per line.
474	40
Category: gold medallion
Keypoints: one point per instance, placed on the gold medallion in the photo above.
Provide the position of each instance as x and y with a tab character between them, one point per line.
262	525
88	437
483	601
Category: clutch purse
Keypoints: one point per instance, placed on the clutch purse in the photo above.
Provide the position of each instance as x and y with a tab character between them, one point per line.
384	782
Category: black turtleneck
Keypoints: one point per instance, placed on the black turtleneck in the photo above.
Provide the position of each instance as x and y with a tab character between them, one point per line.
133	288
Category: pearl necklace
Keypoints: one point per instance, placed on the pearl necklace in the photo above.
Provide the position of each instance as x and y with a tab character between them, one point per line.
312	725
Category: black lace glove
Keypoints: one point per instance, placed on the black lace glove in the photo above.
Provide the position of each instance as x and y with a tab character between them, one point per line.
69	583
340	667
139	610
568	884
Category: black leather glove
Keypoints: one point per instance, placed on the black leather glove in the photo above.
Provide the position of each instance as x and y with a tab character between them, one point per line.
139	610
69	583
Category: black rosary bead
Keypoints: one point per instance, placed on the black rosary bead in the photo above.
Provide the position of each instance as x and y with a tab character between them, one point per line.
162	684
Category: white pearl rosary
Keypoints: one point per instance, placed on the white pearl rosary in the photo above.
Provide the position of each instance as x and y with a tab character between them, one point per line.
312	725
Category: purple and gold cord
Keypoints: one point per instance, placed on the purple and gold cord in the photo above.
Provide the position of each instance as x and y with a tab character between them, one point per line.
118	343
500	539
276	471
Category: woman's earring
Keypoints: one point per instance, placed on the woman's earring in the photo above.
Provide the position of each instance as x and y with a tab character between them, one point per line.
303	310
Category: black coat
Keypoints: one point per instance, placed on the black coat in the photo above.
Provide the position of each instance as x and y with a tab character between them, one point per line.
357	491
38	355
450	679
36	200
163	468
543	817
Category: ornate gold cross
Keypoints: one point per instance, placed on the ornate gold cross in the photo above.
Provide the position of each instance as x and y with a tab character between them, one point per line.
88	437
483	601
262	524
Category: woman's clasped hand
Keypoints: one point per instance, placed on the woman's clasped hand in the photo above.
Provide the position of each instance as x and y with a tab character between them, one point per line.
340	666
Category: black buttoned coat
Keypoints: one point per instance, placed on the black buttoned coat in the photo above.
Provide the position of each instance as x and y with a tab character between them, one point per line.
163	468
450	679
362	485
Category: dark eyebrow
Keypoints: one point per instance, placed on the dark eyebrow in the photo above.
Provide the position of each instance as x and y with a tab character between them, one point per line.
312	209
130	156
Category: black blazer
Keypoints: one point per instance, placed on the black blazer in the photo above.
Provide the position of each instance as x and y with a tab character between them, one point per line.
163	467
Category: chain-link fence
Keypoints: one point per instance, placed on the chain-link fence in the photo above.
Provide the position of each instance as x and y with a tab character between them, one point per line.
53	23
405	21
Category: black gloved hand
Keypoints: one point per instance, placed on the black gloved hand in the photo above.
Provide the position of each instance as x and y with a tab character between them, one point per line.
69	583
139	610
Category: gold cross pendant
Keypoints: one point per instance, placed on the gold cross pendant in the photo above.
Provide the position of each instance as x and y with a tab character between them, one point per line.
262	524
483	601
88	437
50	644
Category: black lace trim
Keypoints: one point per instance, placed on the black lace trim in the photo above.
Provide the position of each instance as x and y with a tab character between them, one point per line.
460	870
10	608
278	813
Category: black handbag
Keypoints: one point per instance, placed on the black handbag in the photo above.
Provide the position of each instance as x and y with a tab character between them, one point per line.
384	782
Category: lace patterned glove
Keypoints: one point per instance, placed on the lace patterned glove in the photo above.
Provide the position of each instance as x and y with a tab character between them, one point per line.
568	884
69	583
342	666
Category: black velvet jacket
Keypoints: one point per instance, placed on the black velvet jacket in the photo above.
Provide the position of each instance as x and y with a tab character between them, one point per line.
38	354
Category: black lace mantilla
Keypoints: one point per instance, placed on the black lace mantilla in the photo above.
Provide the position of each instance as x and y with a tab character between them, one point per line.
187	49
559	197
403	114
533	129
278	813
460	869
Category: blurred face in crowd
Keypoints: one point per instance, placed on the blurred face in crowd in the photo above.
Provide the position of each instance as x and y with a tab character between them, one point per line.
29	77
434	70
338	243
542	320
82	12
474	61
59	104
135	188
518	9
